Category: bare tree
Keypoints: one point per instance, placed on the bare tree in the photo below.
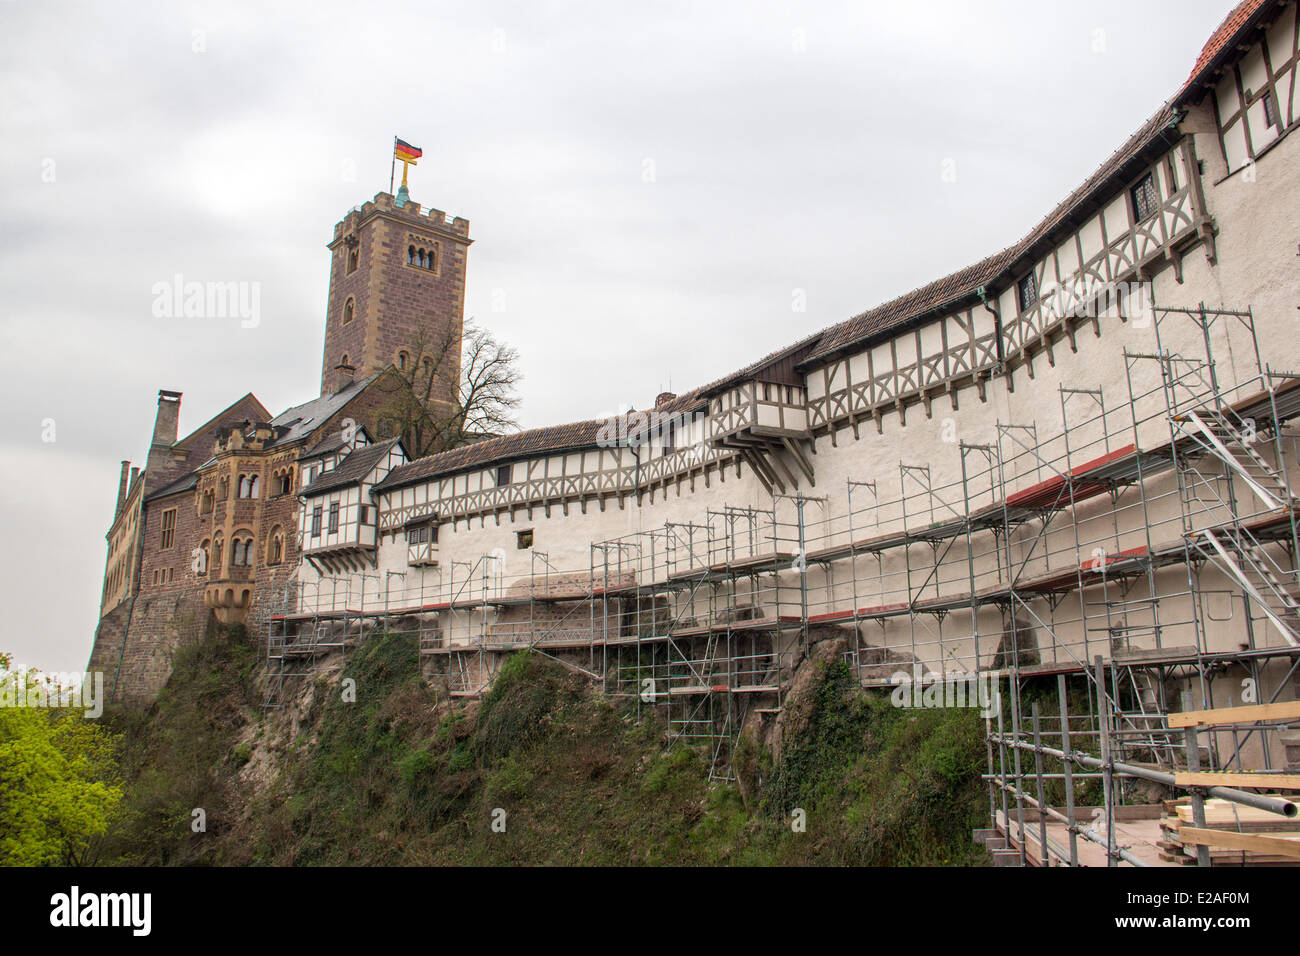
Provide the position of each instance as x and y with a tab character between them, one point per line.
436	402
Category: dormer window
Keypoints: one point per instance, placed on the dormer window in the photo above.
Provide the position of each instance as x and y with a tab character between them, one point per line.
1146	198
1027	292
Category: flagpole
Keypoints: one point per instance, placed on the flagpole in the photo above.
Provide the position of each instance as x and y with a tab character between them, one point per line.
392	166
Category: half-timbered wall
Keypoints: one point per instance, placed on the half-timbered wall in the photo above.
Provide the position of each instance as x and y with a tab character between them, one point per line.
1255	98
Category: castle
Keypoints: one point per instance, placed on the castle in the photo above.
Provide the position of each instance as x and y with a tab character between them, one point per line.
208	529
1072	457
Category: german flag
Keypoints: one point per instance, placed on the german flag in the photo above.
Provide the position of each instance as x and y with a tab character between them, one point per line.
406	152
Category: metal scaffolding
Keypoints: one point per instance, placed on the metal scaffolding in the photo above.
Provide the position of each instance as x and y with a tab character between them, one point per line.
1136	550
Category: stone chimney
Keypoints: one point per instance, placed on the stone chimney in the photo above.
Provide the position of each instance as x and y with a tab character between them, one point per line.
166	426
122	486
663	398
343	376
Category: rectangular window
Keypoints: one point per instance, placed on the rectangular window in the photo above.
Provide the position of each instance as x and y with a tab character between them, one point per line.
1027	292
365	514
1146	198
670	437
1270	112
524	539
417	534
315	521
503	475
334	517
168	529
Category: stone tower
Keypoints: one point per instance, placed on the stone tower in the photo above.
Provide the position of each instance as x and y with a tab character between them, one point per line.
397	285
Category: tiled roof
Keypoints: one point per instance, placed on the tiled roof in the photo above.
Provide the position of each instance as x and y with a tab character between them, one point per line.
351	469
1241	16
302	420
964	284
505	448
330	443
184	483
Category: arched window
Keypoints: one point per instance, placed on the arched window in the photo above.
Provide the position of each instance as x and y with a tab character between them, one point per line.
402	359
420	256
410	255
225	487
349	310
243	486
354	257
254	486
430	263
344	360
275	546
205	549
216	552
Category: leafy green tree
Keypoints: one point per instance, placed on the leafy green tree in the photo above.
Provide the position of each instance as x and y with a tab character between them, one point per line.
58	777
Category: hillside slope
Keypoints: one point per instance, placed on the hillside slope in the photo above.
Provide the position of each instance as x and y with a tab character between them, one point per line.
407	775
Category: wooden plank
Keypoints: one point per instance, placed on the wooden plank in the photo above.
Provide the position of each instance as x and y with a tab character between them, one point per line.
1256	842
1277	781
1287	710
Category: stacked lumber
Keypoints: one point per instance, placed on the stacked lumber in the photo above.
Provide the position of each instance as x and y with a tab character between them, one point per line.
1236	835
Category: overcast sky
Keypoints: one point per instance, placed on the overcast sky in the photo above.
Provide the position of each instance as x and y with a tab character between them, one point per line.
651	188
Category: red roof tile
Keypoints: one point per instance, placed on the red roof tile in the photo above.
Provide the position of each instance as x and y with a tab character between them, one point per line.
1241	15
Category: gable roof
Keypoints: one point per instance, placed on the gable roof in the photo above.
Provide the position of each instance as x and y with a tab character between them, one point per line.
256	408
352	469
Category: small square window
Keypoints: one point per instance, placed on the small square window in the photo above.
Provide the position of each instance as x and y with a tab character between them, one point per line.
503	475
1027	292
1146	198
524	539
